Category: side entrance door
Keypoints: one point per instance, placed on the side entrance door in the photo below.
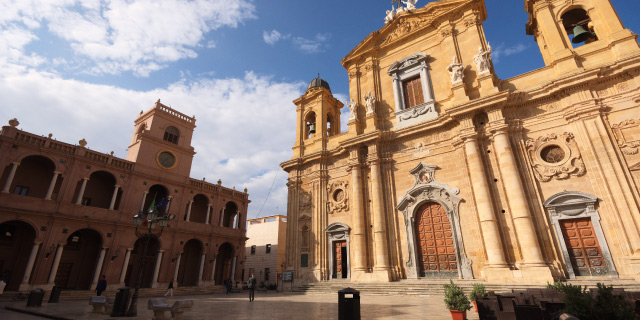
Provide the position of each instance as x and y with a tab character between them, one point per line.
340	268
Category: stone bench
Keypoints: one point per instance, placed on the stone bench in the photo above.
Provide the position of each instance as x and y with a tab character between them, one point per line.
98	303
108	307
160	305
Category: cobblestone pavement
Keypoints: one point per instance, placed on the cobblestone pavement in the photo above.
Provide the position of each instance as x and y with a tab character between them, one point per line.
269	305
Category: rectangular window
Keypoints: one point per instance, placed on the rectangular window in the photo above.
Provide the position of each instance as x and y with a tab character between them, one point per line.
304	260
266	274
268	248
412	89
253	249
21	190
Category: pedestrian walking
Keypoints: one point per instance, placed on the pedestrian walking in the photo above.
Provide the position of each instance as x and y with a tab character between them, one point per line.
228	284
252	287
169	290
2	285
102	285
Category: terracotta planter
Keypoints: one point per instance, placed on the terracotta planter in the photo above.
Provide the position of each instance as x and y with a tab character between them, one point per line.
458	315
475	305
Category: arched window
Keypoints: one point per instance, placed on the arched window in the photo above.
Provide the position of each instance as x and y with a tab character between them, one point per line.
171	134
579	27
310	123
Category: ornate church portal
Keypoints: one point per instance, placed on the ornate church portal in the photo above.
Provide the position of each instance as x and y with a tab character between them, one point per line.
436	250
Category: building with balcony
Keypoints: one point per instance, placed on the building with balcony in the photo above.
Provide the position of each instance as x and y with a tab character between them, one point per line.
66	211
265	249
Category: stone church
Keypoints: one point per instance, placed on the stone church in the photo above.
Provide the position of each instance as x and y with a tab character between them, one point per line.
448	171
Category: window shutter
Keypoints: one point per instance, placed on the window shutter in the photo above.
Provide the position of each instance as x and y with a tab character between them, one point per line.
412	92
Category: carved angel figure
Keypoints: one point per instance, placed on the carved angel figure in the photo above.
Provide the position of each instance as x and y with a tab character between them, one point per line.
410	4
353	109
482	59
390	15
370	101
456	70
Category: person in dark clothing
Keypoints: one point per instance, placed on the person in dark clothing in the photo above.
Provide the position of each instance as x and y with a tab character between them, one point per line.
252	287
228	284
169	290
102	285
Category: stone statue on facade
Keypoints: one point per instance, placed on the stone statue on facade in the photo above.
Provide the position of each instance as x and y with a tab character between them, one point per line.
483	60
353	109
370	101
390	15
456	70
410	4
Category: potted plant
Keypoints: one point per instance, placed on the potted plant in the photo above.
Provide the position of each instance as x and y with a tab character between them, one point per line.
478	288
456	301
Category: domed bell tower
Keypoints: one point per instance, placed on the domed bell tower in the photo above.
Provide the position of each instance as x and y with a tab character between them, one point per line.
318	118
578	33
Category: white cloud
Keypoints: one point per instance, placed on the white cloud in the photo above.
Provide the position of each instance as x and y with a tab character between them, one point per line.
122	35
312	45
273	36
502	51
245	126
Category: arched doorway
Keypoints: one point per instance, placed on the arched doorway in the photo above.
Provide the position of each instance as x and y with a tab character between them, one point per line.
16	243
149	263
190	263
79	259
156	192
338	237
223	262
436	252
229	215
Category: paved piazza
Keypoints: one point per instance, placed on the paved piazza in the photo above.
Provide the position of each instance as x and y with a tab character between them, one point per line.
266	306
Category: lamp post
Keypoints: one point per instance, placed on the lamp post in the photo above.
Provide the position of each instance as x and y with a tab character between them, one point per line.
146	225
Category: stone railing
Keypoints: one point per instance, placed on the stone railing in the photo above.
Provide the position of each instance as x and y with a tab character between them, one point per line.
175	113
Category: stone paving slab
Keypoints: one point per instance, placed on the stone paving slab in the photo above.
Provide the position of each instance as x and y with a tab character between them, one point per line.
268	305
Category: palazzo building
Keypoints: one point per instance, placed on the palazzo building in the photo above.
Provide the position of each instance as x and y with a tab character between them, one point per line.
265	249
66	212
446	170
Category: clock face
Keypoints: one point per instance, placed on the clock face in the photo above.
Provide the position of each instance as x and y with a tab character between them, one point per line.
166	159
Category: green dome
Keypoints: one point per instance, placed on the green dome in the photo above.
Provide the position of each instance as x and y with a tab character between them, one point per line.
318	82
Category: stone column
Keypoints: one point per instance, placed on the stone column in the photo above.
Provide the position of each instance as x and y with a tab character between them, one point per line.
237	220
221	216
175	273
482	196
168	204
125	266
359	236
188	216
380	238
12	173
156	270
213	270
522	217
81	193
29	267
96	274
144	197
233	268
201	269
208	214
56	263
113	197
52	185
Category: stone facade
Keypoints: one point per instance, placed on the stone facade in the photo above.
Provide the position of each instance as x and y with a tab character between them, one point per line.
66	212
453	172
265	248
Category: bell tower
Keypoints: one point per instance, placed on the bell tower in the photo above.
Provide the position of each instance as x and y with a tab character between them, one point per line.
162	141
575	34
318	118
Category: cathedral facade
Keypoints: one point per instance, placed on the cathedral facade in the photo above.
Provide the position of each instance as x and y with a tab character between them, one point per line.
448	171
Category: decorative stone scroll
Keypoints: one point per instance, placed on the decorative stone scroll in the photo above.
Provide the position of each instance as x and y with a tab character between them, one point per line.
338	197
574	205
554	157
628	136
427	189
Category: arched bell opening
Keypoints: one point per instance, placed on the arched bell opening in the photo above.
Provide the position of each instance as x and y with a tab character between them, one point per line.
579	27
229	215
310	125
224	263
135	262
190	263
16	242
79	260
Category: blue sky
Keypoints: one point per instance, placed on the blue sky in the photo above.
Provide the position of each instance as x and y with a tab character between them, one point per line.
85	69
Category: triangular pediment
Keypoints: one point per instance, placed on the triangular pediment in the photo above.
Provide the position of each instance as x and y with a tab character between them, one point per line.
409	22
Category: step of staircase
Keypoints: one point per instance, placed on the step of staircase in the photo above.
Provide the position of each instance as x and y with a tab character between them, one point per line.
436	286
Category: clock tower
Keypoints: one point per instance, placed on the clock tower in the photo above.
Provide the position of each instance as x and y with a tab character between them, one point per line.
162	141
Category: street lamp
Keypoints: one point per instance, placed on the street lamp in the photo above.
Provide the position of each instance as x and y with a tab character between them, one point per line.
147	223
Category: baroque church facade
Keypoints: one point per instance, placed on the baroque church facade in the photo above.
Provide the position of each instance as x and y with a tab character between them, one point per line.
66	212
448	171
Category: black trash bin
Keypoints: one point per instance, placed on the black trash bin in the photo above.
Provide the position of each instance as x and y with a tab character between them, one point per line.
55	294
35	298
121	302
348	304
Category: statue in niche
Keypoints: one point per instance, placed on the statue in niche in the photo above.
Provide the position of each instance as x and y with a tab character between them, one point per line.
482	59
410	4
370	101
390	15
456	70
353	109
